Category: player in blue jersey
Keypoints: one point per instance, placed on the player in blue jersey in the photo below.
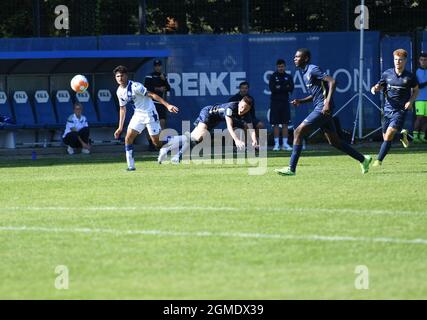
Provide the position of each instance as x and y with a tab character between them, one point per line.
420	125
400	89
320	86
209	118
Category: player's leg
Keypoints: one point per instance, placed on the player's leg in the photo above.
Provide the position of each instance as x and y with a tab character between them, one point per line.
276	136
419	115
299	133
276	122
285	133
131	134
423	129
334	140
135	127
71	141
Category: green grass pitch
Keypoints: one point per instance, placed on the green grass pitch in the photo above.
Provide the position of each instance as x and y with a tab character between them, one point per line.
214	232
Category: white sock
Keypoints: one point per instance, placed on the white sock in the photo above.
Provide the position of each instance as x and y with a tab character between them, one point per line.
276	141
285	141
174	142
129	159
184	148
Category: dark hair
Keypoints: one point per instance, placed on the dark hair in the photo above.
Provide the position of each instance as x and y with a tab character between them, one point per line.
244	83
77	104
121	69
305	52
423	54
280	61
248	100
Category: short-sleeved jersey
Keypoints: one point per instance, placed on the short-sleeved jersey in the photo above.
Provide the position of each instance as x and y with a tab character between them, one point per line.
229	109
135	96
422	81
314	80
75	123
397	88
237	97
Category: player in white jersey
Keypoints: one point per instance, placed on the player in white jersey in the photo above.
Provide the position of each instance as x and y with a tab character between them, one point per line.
134	94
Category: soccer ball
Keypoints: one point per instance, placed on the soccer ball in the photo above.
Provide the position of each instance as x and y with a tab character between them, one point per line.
79	83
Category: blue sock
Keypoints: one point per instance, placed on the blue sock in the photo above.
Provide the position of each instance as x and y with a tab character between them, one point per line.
296	152
351	152
128	147
385	147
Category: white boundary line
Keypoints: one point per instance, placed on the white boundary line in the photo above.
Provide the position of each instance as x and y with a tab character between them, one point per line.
220	209
208	234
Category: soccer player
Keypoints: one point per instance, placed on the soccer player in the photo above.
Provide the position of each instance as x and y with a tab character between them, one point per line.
420	125
209	118
132	94
321	86
244	91
397	84
281	85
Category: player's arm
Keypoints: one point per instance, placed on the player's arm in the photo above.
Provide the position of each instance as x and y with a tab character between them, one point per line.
414	95
239	143
379	85
332	85
168	106
253	134
297	102
122	115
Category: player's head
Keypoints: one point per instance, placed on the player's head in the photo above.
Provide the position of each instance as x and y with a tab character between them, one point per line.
157	65
302	57
244	88
245	105
399	58
78	108
280	65
423	60
121	75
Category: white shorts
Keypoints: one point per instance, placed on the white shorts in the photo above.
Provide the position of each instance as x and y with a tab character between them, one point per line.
137	123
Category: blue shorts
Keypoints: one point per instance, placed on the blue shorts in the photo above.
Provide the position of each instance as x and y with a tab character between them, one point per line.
205	117
316	119
394	119
279	112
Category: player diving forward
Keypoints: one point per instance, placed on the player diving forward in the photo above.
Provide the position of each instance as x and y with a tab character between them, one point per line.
134	94
209	118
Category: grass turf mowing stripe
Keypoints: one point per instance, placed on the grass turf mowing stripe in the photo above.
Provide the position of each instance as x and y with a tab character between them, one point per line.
214	234
231	209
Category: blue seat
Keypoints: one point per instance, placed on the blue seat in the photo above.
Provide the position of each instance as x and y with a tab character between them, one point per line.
107	110
6	110
43	108
64	106
23	111
88	108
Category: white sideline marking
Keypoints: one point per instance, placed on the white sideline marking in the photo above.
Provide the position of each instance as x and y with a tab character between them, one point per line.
214	234
224	209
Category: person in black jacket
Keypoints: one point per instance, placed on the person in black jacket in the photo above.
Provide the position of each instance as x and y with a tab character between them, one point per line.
281	85
157	82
